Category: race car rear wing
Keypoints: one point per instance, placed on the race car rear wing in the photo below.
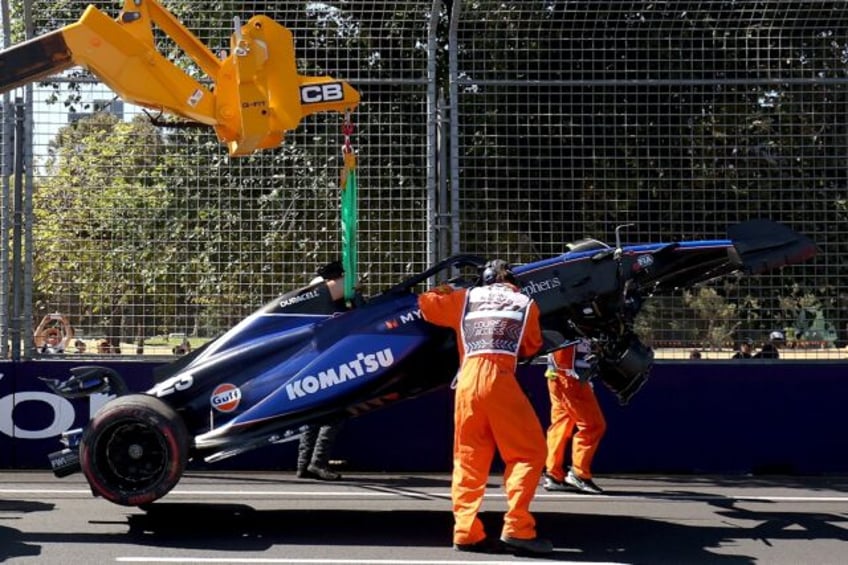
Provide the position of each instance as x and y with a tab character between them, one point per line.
252	96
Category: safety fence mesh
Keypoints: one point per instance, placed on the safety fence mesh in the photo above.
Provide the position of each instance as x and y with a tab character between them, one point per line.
680	118
562	120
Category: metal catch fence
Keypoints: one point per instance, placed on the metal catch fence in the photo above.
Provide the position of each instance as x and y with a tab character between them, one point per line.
501	128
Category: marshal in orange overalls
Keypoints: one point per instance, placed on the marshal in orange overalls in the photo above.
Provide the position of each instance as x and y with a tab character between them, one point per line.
573	405
495	324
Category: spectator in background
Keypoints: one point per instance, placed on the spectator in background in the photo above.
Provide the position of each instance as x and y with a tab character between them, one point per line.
746	347
53	334
105	347
694	354
771	349
79	345
183	348
53	343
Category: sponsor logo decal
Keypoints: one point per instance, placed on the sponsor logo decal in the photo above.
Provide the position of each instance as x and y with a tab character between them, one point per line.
299	298
411	316
225	397
643	262
535	287
316	93
61	413
364	364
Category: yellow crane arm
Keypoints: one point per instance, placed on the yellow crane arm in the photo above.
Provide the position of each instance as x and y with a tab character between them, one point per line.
256	95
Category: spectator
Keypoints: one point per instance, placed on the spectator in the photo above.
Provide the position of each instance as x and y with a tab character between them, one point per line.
80	346
745	348
771	349
183	348
53	343
104	346
53	334
316	442
573	406
694	354
495	324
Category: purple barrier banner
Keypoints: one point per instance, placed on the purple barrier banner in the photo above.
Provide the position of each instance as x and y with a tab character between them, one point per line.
32	418
761	417
7	387
727	417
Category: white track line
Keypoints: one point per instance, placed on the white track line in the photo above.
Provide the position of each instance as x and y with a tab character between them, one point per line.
330	561
401	493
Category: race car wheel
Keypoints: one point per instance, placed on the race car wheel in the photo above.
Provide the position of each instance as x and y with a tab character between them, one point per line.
134	450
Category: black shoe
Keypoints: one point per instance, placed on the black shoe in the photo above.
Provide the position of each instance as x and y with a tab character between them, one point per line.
486	545
537	546
322	473
305	474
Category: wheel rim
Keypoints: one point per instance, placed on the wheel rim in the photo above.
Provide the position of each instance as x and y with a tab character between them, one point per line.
134	455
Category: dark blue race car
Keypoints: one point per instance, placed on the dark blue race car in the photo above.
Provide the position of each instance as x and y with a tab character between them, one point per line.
299	360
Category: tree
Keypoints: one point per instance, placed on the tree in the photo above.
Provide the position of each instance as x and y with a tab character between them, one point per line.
718	316
100	172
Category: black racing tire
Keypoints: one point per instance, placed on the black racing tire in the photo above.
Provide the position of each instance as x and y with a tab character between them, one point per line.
134	450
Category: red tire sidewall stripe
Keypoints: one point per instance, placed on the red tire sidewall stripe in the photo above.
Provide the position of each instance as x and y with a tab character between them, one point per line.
172	475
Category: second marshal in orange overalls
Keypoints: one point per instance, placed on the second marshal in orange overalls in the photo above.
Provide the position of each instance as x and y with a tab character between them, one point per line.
574	406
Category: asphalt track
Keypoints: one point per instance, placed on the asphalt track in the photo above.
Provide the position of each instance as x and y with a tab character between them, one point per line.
247	518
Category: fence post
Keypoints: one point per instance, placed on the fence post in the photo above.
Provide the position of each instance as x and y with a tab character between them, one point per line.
5	172
17	211
453	114
434	137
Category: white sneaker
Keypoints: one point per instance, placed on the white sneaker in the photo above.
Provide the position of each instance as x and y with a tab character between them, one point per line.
583	485
550	483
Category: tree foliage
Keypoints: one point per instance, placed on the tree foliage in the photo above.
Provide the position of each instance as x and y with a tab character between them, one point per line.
100	172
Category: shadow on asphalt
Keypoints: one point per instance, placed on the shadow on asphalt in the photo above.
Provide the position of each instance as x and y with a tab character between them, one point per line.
838	483
577	537
11	542
830	483
388	481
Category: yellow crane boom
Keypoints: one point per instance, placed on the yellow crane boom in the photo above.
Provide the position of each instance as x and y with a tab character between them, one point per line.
256	94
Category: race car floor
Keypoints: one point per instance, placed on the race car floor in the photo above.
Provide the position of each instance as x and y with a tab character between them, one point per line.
376	519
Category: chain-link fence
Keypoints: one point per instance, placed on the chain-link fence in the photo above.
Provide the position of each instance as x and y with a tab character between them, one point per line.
502	128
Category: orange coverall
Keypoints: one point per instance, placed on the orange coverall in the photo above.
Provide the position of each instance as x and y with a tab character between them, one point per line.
495	325
573	403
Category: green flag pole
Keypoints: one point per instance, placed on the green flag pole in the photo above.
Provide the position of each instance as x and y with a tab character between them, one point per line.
349	213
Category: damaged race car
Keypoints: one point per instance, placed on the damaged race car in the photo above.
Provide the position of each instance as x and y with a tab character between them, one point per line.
302	360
